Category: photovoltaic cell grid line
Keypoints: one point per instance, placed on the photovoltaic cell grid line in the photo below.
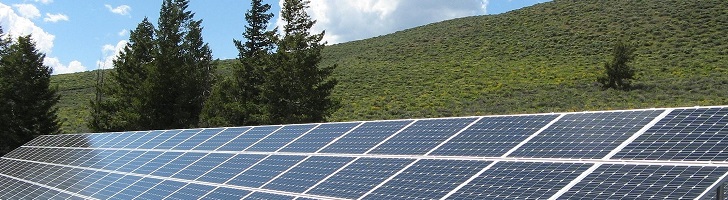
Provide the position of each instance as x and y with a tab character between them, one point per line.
645	182
509	180
422	136
493	136
685	134
365	137
402	159
586	135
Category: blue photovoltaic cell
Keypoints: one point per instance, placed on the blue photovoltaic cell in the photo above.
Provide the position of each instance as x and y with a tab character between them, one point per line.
83	179
365	137
521	180
645	182
136	188
81	155
219	139
684	134
359	177
56	140
12	189
225	194
108	158
191	191
265	170
66	180
107	142
24	153
157	162
249	138
228	169
200	167
65	157
197	139
177	139
17	168
280	138
93	140
139	161
267	196
37	141
99	159
422	136
159	139
318	137
128	138
123	139
428	179
69	141
93	184
95	187
144	138
123	160
307	173
19	153
494	136
586	135
178	164
162	190
89	156
118	185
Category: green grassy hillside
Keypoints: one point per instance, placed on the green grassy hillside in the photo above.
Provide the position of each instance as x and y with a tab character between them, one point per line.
544	58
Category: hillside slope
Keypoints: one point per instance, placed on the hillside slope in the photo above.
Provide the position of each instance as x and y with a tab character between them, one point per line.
543	58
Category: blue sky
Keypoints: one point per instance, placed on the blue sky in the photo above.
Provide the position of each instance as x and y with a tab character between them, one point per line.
83	35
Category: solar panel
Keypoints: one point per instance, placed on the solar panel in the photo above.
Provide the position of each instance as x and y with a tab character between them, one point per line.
427	179
359	177
684	134
646	182
422	136
363	138
493	136
671	153
586	135
509	180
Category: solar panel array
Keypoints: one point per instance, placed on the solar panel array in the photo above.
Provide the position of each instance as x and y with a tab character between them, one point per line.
674	153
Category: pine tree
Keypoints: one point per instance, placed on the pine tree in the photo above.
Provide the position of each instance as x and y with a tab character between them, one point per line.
27	103
164	77
617	72
297	90
235	101
122	100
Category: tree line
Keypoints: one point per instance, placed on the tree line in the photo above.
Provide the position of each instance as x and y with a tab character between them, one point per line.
27	102
164	78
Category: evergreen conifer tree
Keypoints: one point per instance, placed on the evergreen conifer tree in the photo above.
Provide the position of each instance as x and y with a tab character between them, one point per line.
617	72
122	99
164	81
235	101
27	102
297	89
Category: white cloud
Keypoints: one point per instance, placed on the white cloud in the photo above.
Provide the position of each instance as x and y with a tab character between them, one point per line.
120	10
484	6
15	25
123	32
60	68
27	10
44	1
55	17
110	53
353	20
